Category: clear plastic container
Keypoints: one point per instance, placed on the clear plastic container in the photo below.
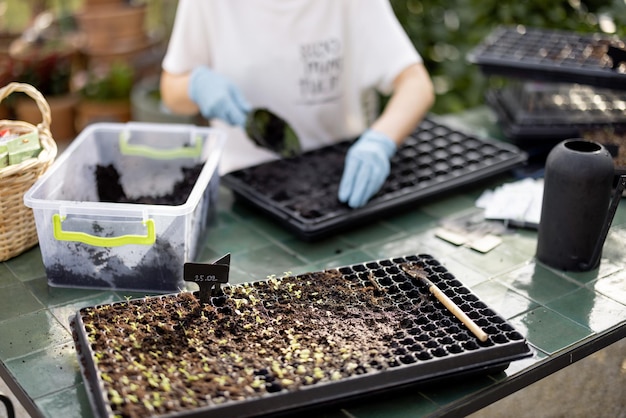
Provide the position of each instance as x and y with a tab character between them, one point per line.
89	243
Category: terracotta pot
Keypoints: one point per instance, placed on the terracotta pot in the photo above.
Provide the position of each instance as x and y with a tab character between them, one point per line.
62	111
5	112
115	26
92	111
149	53
88	4
6	38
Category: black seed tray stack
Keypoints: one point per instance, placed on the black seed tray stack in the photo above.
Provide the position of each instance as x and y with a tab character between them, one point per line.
283	343
530	112
301	192
548	55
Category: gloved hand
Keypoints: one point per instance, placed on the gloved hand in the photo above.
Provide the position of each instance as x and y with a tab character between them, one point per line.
366	169
217	97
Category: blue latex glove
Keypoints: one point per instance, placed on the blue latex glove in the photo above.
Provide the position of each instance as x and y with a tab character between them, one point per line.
366	169
217	97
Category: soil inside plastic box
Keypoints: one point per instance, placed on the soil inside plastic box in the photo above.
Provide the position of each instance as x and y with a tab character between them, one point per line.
110	188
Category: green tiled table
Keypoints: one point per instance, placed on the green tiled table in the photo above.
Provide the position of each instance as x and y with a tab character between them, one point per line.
565	317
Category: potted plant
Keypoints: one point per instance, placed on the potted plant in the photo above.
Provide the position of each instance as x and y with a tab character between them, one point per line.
6	74
105	95
45	56
46	63
113	30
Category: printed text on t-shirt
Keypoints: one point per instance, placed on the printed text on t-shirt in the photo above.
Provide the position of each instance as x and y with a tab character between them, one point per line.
321	70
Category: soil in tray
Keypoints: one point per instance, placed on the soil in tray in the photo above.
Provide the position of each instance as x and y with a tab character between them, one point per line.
169	354
110	189
310	199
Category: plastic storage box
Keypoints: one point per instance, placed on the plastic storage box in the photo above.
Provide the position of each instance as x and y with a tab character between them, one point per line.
87	242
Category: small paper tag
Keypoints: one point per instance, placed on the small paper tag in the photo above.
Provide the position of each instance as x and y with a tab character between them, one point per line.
450	236
486	243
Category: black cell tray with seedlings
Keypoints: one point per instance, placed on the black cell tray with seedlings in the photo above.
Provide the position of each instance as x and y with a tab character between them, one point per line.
301	192
552	55
533	112
290	342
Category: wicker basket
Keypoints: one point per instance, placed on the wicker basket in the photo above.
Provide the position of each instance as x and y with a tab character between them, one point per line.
17	224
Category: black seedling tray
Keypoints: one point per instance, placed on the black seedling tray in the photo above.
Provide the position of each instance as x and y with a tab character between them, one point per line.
531	111
301	192
283	343
548	55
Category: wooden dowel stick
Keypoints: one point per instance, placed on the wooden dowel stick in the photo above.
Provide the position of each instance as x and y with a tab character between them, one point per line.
419	274
456	311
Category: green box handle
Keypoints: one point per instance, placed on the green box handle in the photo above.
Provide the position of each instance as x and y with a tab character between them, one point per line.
85	238
194	151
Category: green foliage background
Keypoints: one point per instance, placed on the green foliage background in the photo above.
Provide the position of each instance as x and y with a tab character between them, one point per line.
445	31
442	31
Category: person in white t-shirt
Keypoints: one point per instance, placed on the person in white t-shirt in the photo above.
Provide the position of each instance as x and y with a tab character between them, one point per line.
316	63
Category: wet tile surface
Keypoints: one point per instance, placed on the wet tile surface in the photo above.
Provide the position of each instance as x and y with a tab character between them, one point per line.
548	330
590	309
553	310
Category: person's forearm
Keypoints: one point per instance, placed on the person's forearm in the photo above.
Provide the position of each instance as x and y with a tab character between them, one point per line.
174	94
413	95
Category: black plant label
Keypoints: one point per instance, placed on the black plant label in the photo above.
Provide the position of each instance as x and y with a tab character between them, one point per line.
206	273
207	276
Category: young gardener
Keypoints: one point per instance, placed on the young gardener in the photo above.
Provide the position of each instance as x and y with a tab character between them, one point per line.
316	63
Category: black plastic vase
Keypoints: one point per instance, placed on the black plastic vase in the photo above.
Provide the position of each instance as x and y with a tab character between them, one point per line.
577	209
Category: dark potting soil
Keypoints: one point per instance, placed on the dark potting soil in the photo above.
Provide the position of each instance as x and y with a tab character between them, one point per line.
311	186
271	126
110	189
158	271
267	129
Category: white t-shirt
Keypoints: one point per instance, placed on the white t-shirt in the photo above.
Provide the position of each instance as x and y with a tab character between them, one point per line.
310	61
